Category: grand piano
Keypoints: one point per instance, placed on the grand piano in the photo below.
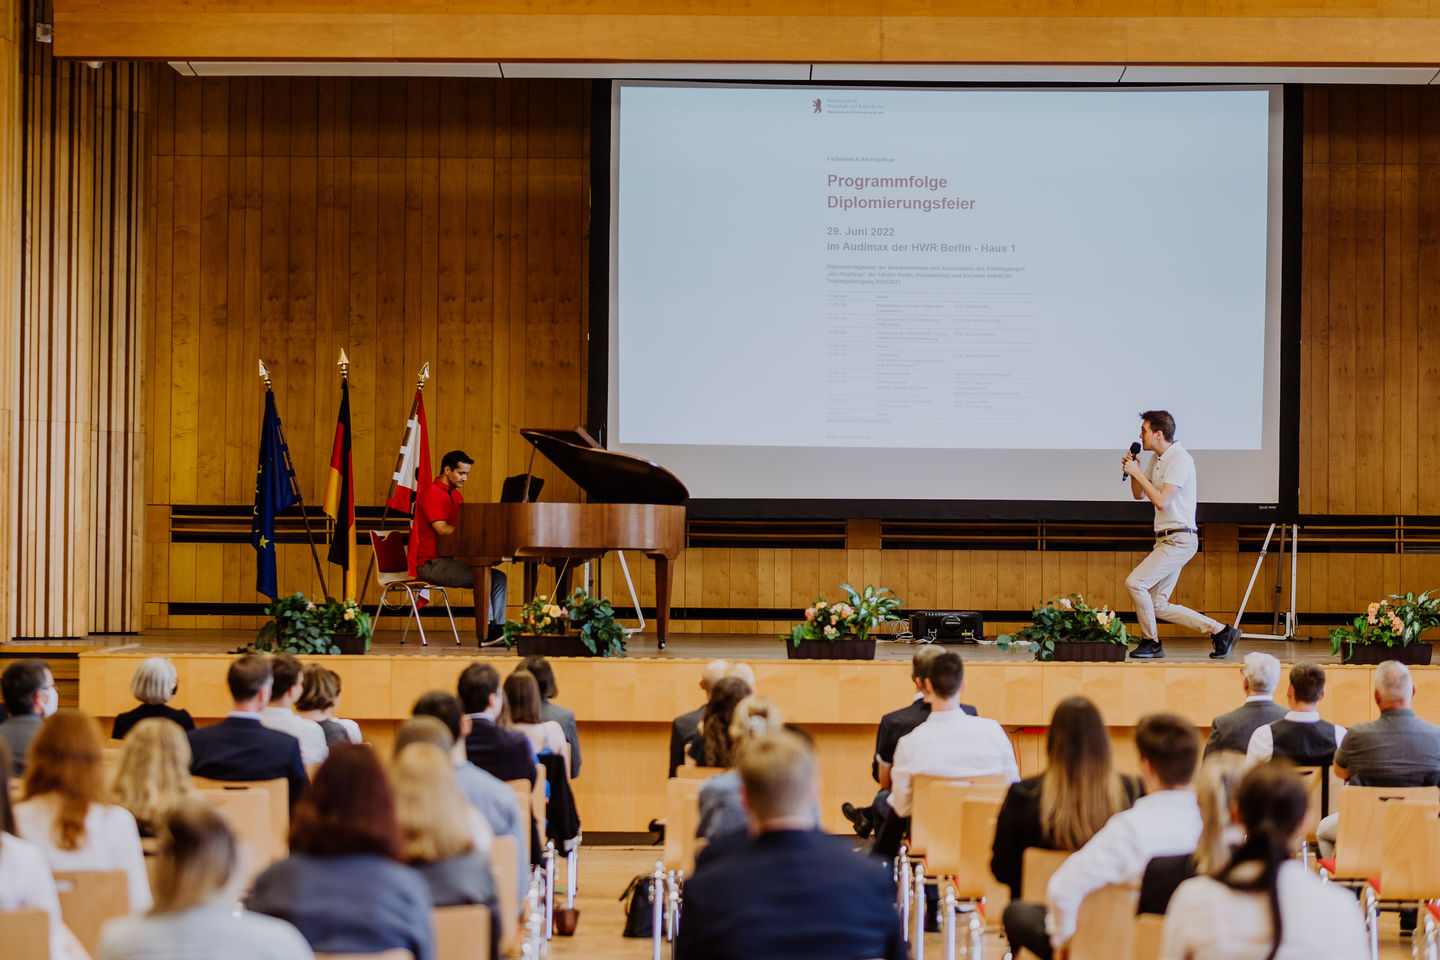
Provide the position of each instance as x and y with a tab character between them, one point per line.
631	504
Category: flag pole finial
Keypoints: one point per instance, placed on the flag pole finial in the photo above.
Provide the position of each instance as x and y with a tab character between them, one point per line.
264	373
344	365
424	376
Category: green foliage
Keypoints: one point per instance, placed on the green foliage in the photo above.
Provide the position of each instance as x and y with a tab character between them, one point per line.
593	619
302	627
851	619
1396	621
1067	618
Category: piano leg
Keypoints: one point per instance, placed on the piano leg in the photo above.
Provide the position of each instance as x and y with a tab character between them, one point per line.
664	572
482	602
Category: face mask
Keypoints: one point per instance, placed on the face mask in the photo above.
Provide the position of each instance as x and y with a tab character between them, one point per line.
51	703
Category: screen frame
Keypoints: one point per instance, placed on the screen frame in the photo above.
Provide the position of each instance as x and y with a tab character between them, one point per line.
604	104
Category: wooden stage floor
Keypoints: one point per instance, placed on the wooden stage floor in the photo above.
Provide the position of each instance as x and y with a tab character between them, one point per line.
702	646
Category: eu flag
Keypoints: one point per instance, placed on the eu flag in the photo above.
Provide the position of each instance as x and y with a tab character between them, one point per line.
274	491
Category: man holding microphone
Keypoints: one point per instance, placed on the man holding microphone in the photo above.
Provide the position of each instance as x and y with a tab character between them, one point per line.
1171	487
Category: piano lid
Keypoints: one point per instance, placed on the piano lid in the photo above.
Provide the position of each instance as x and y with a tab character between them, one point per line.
604	475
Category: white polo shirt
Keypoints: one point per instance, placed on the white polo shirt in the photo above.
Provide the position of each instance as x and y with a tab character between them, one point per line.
951	743
1175	466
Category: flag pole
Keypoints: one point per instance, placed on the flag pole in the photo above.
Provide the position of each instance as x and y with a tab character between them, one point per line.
420	380
294	485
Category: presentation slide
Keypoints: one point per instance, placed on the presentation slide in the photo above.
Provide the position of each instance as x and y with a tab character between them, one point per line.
952	294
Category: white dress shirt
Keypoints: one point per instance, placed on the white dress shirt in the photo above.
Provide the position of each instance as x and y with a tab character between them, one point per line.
111	842
26	884
950	743
313	748
1160	824
1207	920
1175	466
1262	741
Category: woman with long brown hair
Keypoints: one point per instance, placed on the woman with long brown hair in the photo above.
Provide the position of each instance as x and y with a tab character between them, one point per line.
523	704
1264	905
343	885
65	813
714	747
196	879
152	774
25	879
1063	807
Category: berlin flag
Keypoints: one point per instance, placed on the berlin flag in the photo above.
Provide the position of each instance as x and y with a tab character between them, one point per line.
412	470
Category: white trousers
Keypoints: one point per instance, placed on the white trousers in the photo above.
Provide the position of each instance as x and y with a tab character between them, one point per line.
1152	581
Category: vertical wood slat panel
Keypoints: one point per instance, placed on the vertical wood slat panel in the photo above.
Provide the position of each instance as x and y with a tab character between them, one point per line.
73	414
12	278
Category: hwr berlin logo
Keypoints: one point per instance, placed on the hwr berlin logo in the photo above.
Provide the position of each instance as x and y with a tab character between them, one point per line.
816	104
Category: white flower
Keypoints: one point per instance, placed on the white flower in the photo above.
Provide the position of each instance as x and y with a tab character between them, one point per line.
1064	603
349	614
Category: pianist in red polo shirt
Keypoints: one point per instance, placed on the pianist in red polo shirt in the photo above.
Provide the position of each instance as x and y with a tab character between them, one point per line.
439	508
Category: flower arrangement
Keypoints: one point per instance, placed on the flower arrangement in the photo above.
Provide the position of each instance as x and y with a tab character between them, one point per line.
591	617
851	619
1396	621
1067	618
299	625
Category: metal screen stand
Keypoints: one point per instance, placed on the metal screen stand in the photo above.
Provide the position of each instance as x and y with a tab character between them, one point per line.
1290	623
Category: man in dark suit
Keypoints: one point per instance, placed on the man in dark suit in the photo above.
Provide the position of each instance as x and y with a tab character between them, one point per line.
791	893
504	754
239	747
1232	731
893	726
686	727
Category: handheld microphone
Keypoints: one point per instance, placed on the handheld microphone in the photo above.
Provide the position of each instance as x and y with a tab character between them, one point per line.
1134	452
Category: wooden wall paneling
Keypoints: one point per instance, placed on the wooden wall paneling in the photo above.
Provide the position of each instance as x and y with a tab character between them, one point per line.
1427	351
474	405
12	276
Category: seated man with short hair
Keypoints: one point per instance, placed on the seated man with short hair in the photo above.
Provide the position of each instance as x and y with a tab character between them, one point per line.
287	685
1259	676
790	892
28	687
950	743
1397	749
240	747
1164	822
1300	736
504	754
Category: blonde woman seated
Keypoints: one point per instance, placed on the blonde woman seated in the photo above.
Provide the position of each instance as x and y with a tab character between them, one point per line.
319	699
153	683
722	811
523	703
64	812
25	880
438	832
196	886
152	774
1263	904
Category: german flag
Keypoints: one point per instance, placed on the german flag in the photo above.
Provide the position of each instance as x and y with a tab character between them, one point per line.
340	498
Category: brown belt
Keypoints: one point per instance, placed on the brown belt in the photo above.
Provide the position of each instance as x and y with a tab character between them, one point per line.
1162	534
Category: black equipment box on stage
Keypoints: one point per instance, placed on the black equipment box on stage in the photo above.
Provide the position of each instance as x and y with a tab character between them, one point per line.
956	626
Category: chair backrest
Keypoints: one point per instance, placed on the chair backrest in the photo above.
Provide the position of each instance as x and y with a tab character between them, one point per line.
25	933
962	834
279	792
1105	923
1148	928
921	803
682	819
1037	866
247	811
90	898
507	885
1359	837
688	772
462	933
538	795
1410	851
523	796
391	563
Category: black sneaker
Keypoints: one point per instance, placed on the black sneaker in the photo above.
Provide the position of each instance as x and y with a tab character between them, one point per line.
1148	650
1224	642
859	819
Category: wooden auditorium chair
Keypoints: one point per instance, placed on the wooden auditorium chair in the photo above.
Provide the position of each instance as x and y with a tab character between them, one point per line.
462	933
25	933
89	899
1105	923
278	790
392	569
247	811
